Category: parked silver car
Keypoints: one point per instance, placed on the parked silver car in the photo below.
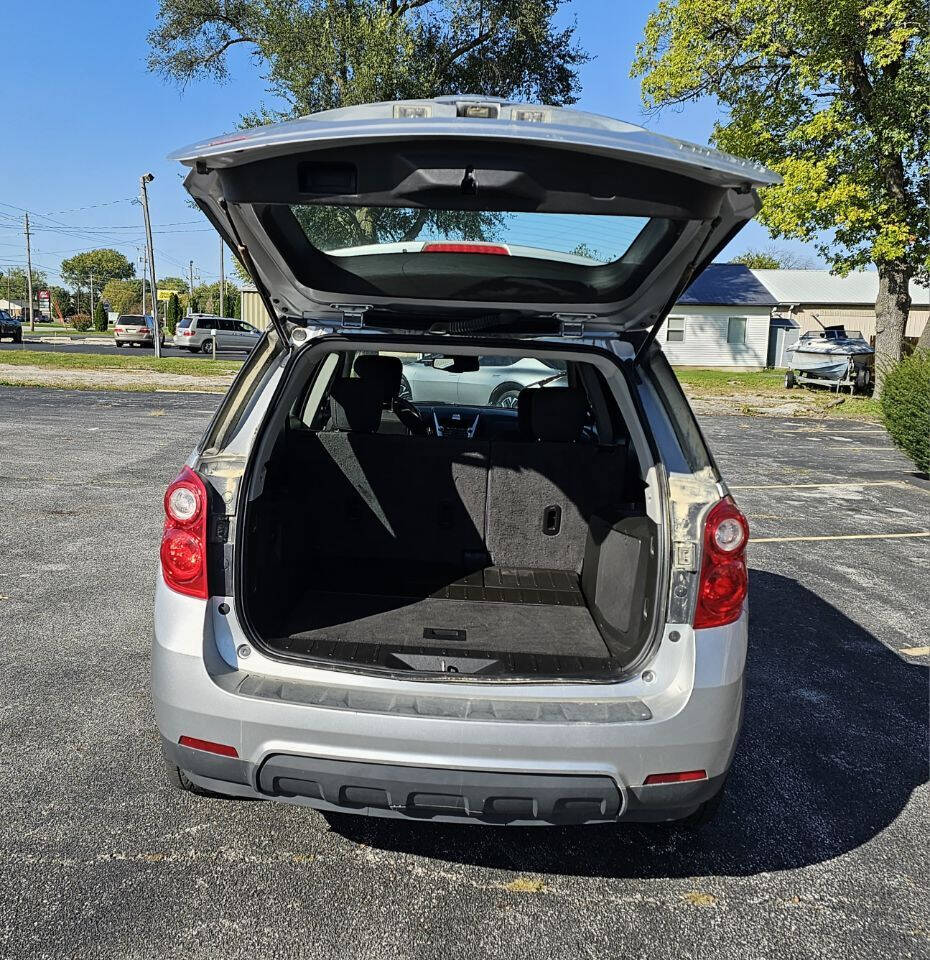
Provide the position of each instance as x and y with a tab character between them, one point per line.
497	382
464	610
197	331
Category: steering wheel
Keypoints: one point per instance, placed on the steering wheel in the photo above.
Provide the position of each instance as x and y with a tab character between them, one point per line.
411	417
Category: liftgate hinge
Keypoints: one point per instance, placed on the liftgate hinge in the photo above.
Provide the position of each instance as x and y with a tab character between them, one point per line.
353	314
572	324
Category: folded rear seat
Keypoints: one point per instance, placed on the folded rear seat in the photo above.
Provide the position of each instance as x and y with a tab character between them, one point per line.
543	491
389	498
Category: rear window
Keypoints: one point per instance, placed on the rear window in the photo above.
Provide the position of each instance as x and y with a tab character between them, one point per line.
185	322
470	254
130	321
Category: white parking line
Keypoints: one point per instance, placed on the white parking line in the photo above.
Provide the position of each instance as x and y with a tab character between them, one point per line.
843	536
791	486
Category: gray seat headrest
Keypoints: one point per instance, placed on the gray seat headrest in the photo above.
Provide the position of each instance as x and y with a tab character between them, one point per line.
556	414
355	405
385	371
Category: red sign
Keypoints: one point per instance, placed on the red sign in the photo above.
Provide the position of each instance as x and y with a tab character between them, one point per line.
44	295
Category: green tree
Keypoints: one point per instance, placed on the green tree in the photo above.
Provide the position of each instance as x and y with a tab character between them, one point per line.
124	296
13	279
178	284
773	258
321	54
834	97
207	295
172	313
100	316
101	265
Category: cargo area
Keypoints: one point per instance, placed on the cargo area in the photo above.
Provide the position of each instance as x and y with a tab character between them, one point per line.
521	551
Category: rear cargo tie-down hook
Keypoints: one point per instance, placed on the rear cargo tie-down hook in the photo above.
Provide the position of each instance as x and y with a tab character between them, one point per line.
470	182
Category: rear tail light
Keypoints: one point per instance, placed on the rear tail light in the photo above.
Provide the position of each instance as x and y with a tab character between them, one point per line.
724	580
187	333
492	248
184	542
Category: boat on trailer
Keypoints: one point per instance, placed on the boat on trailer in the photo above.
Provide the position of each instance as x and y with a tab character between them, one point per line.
832	357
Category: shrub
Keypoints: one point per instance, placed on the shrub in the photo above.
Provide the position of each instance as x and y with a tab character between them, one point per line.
100	316
172	313
905	404
81	321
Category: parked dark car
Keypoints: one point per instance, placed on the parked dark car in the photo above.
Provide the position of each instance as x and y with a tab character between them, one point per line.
11	327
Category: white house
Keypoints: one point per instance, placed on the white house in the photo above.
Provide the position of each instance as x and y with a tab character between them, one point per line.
722	320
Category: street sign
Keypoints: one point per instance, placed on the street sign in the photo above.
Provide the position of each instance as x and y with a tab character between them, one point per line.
165	294
44	295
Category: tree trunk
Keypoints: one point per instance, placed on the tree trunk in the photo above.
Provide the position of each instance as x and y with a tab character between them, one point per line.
891	309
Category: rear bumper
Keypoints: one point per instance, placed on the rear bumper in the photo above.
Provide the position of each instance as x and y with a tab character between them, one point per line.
131	338
440	795
351	752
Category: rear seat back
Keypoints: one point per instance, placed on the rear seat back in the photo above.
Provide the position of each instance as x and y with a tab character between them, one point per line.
392	498
543	492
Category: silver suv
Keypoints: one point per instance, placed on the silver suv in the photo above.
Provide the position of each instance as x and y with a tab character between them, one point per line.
196	332
422	603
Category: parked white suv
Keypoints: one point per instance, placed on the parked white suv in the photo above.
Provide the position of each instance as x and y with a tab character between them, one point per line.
446	609
196	332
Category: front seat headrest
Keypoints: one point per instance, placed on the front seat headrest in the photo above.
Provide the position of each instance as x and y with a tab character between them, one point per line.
557	414
385	371
355	405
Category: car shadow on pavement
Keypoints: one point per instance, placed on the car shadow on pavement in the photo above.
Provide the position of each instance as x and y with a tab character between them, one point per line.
833	744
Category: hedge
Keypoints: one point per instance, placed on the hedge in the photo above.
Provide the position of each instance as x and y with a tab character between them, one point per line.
905	404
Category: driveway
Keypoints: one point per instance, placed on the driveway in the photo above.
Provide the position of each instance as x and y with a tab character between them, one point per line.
820	849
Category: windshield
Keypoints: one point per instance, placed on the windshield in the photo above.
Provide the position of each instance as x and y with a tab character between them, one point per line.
470	254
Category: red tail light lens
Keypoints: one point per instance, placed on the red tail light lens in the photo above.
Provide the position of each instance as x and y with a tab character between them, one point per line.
184	542
492	248
724	580
209	746
684	777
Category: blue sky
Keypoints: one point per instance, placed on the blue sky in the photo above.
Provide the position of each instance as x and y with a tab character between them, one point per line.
81	118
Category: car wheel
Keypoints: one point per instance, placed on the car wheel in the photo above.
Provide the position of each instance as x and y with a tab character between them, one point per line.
18	339
179	780
207	346
790	380
704	814
506	396
403	391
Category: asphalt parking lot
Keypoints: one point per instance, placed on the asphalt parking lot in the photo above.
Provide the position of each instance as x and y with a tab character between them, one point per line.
820	849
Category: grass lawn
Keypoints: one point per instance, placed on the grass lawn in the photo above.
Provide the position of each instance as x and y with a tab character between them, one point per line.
43	331
94	361
750	390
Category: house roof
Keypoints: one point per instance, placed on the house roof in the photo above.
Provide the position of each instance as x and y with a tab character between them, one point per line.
820	287
728	284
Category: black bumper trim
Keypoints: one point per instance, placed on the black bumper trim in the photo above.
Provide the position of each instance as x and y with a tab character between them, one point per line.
427	793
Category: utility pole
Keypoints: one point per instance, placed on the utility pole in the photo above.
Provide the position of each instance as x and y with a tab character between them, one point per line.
145	179
32	319
190	293
91	297
145	276
222	282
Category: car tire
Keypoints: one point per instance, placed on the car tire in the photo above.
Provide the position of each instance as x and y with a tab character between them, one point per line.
178	780
207	346
790	380
506	395
704	814
18	339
